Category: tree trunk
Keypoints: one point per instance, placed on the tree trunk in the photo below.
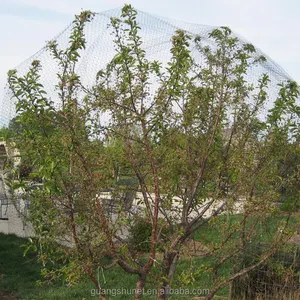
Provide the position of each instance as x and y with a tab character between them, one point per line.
140	284
168	270
102	297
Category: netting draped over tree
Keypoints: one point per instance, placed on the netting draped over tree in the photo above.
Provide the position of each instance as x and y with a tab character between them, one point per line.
198	135
156	33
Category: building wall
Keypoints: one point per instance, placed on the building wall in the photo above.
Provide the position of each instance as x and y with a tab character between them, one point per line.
11	219
4	226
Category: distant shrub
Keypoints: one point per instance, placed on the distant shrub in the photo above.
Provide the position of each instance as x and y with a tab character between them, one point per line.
140	235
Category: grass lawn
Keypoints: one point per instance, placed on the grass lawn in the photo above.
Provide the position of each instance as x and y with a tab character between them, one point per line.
19	274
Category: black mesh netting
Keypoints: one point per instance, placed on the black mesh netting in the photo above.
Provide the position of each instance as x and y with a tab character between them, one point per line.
156	33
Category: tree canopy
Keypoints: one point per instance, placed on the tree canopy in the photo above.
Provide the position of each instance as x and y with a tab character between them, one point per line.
195	139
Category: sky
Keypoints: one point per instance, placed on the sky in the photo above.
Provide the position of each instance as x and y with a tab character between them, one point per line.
271	25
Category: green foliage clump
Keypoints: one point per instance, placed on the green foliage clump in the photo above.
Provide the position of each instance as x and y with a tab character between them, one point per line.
140	235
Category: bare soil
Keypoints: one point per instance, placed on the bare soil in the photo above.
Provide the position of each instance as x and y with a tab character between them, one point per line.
194	248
